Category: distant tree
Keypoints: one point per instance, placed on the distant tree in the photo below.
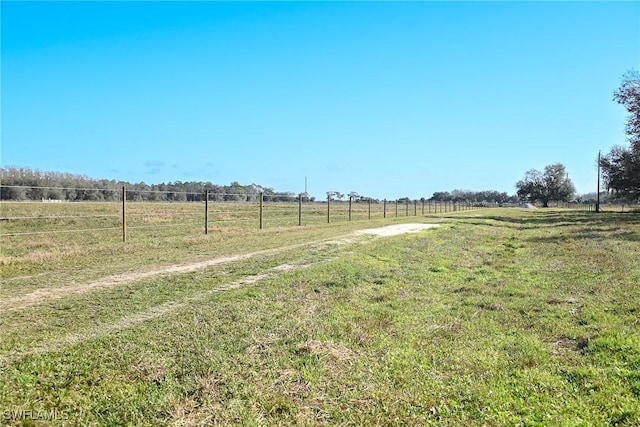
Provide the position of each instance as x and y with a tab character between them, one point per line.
441	196
216	193
253	191
18	183
335	195
12	193
305	197
551	185
621	171
621	166
235	192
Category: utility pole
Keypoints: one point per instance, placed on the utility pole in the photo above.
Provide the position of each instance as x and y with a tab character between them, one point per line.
598	194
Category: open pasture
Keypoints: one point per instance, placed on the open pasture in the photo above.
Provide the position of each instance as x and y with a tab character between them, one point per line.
496	317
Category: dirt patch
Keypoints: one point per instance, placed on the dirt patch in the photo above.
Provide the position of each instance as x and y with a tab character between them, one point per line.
335	351
394	230
48	294
320	348
132	320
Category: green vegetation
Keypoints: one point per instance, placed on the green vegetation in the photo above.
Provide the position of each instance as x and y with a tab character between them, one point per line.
21	183
497	317
551	185
621	166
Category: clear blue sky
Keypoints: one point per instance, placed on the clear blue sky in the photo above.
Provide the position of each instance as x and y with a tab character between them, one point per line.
388	99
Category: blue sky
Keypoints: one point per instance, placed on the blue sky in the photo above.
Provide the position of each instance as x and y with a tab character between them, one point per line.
388	99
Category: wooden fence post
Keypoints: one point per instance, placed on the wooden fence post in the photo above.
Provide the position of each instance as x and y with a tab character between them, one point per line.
369	208
300	209
261	210
350	199
328	209
384	208
124	213
206	211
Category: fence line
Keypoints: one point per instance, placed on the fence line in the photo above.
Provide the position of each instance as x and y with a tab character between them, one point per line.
259	212
82	230
59	217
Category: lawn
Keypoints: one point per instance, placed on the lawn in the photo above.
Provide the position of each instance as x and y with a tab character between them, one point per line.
496	317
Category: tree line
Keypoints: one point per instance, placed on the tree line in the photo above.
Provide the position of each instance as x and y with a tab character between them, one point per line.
26	184
621	166
477	198
20	183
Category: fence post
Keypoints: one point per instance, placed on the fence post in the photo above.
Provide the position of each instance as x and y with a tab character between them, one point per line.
422	207
206	211
328	209
415	208
124	213
299	209
384	209
261	210
396	208
350	199
369	207
406	206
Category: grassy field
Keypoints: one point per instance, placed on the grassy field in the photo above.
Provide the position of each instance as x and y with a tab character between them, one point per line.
497	317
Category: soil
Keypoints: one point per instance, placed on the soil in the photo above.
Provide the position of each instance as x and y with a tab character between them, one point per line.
48	294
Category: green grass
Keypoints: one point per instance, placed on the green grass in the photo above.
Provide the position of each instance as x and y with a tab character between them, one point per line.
498	317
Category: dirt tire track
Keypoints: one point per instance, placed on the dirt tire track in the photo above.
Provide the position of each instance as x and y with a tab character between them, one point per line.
50	294
132	320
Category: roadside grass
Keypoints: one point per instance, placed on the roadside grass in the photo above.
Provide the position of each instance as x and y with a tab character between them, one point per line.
498	317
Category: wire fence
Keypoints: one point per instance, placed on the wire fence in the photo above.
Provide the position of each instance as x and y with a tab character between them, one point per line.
204	213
